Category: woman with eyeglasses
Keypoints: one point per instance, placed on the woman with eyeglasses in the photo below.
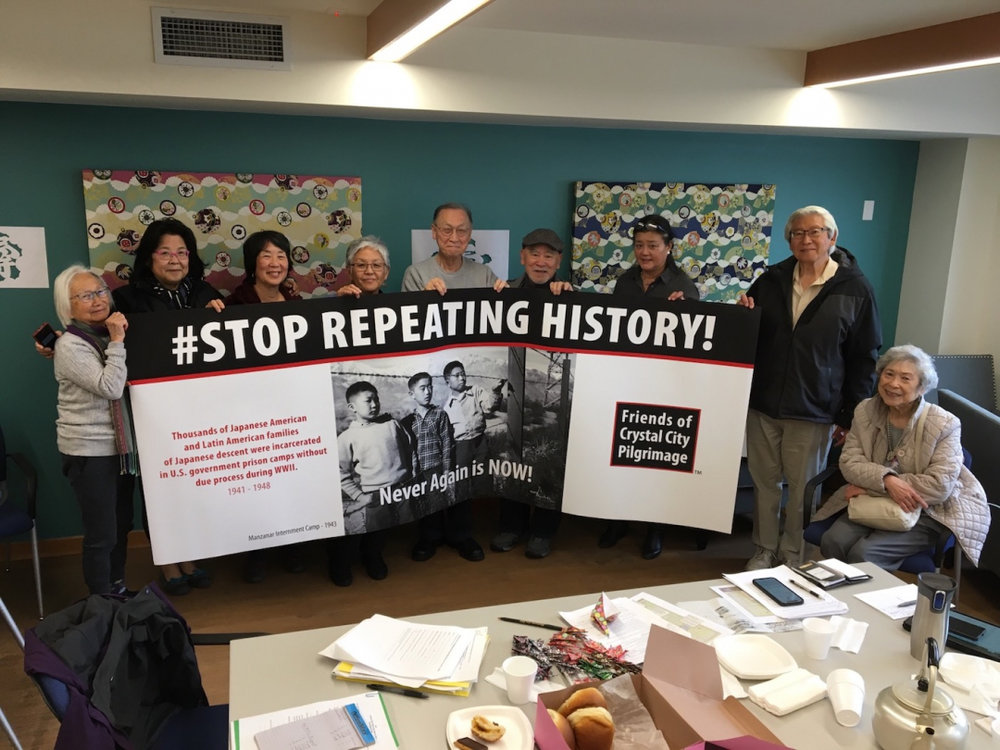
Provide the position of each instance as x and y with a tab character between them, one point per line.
167	275
92	427
266	261
368	261
654	274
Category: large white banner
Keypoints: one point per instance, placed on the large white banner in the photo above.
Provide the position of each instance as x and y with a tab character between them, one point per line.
272	424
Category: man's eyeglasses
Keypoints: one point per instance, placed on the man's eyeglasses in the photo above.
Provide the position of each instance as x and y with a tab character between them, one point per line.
449	231
814	233
89	296
164	254
369	266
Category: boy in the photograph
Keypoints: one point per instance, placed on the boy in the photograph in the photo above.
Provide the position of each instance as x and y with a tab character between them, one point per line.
431	433
375	452
466	407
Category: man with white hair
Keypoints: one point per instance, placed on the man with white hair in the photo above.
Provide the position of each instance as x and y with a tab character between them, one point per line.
816	351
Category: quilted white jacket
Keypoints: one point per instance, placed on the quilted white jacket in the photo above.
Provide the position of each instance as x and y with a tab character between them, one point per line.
954	496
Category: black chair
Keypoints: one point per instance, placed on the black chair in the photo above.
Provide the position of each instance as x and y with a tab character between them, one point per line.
931	559
184	723
18	509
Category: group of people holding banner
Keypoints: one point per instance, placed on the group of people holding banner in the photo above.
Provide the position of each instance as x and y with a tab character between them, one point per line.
816	357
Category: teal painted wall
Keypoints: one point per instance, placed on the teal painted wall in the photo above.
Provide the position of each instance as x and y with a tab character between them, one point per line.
514	177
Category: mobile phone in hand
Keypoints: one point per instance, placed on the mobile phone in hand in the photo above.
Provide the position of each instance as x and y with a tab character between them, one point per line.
777	591
45	336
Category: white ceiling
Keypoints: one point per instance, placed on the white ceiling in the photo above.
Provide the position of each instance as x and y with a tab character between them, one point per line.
770	24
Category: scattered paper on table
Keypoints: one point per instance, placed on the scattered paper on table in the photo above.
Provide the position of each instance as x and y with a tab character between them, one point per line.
896	602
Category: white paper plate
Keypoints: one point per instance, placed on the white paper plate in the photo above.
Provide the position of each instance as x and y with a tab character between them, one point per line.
519	735
752	656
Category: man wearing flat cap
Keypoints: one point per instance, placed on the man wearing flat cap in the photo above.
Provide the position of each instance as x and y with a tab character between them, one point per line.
541	255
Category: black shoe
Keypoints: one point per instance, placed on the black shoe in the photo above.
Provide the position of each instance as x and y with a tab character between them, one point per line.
175	586
612	534
254	566
198	578
340	573
293	561
423	550
652	546
469	549
538	547
118	588
375	566
504	541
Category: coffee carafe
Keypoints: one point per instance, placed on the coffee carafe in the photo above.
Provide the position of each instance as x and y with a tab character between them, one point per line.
930	619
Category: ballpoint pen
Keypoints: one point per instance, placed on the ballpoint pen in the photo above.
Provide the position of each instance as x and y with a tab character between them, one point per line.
808	590
397	690
533	624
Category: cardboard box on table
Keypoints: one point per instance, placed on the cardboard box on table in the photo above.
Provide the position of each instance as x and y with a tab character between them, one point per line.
681	688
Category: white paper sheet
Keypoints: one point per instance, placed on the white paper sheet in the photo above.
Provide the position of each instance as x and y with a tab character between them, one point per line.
897	602
403	649
820	605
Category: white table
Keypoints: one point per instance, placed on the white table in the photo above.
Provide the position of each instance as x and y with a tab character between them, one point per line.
282	671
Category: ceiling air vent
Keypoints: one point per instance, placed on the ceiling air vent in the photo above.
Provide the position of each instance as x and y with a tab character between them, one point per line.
231	40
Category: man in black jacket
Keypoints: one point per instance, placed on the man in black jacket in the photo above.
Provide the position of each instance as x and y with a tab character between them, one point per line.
816	351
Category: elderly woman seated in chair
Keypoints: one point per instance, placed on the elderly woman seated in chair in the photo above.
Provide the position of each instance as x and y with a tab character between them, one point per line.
909	452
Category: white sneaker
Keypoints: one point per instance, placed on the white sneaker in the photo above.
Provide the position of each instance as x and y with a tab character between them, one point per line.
763	558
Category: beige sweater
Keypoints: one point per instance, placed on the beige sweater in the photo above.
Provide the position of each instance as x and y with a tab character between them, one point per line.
954	496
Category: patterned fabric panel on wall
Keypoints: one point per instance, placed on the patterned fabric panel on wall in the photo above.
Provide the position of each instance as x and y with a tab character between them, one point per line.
320	216
723	232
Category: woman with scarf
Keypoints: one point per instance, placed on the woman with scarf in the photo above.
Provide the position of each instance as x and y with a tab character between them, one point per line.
92	429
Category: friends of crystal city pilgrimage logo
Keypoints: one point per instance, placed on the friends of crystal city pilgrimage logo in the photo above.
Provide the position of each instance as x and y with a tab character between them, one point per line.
655	436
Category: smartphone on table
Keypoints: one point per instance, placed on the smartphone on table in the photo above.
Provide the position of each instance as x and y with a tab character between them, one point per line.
45	336
777	591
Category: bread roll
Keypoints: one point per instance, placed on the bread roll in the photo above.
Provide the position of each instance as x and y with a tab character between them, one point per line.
593	728
562	724
583	698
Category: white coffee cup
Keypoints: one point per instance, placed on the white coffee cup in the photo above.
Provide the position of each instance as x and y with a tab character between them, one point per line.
846	689
818	635
519	674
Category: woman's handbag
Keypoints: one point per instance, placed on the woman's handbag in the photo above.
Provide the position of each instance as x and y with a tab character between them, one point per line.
882	512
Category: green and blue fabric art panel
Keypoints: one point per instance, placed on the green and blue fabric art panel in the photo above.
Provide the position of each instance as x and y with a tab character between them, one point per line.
320	216
722	232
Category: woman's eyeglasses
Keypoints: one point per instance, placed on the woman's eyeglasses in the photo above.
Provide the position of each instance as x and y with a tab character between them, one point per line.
89	296
369	266
164	254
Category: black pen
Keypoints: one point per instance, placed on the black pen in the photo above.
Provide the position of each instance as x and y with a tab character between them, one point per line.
397	690
808	590
906	604
533	624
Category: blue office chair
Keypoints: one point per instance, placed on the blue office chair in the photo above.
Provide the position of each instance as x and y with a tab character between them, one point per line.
17	510
930	560
169	701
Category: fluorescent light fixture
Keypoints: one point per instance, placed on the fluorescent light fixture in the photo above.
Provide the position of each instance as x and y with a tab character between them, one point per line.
907	73
444	17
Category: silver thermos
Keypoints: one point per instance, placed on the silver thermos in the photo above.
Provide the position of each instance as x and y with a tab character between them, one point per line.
930	619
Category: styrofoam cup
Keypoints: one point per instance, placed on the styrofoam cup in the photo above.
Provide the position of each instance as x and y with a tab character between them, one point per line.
519	674
818	635
846	689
